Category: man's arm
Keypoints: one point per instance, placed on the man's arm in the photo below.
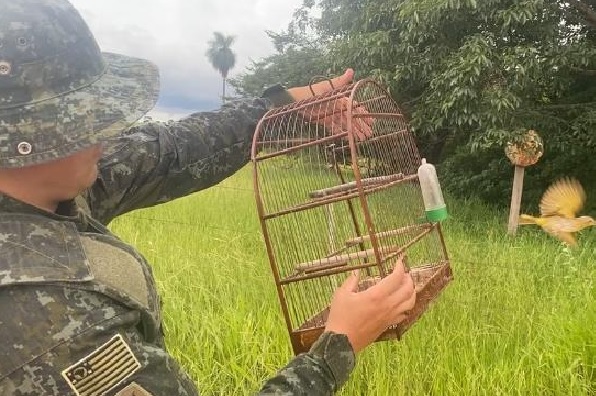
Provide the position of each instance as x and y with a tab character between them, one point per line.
155	162
321	371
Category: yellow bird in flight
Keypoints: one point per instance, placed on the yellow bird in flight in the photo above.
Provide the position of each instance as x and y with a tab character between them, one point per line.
558	211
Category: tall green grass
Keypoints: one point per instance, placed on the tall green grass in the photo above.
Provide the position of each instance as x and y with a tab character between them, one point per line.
518	319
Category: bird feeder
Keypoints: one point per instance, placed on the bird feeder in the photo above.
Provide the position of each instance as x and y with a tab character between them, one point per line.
330	201
523	152
432	196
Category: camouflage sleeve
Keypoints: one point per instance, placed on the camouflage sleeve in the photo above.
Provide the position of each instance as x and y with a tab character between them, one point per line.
321	371
155	162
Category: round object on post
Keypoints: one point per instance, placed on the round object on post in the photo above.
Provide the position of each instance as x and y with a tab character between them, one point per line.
525	151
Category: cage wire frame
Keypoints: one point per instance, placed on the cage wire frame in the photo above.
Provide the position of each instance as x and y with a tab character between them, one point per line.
341	193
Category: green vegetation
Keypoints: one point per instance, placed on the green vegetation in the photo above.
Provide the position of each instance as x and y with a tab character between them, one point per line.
470	75
517	320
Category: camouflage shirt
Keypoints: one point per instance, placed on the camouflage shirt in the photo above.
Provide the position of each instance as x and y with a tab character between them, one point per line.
79	312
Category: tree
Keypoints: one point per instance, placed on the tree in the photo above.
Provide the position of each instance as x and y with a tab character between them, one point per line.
471	75
221	56
297	60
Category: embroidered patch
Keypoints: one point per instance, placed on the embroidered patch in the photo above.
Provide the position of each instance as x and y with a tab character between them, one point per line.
102	369
133	389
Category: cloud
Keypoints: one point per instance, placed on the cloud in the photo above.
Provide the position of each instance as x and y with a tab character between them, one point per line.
175	33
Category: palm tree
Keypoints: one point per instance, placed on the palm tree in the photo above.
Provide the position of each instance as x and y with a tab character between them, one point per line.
221	56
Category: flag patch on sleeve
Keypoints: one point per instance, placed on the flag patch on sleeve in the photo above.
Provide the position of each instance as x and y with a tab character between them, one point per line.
102	369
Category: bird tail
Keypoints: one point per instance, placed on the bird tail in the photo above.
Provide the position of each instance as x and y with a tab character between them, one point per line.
526	219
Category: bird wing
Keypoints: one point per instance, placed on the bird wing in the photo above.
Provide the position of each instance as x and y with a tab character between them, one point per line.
565	198
567	237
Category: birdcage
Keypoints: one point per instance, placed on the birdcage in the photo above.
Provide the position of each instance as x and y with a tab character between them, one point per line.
330	201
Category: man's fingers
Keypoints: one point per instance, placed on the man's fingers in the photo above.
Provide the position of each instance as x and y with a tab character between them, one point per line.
399	271
360	126
393	282
403	306
364	124
336	82
398	319
334	115
362	129
351	284
344	79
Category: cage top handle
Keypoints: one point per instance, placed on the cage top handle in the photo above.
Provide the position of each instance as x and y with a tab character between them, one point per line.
317	79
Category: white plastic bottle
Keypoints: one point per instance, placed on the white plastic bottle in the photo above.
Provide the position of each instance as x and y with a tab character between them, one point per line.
434	204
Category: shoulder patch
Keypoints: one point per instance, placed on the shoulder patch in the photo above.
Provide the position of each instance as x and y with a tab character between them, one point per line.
102	369
133	389
118	269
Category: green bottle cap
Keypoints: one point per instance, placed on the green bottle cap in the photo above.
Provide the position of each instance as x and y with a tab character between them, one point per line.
438	214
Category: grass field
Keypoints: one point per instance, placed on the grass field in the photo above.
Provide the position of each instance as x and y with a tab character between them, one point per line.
519	318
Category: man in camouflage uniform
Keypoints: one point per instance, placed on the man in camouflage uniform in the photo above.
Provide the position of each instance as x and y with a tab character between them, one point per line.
79	311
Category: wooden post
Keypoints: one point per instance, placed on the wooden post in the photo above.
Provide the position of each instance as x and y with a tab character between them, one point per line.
516	196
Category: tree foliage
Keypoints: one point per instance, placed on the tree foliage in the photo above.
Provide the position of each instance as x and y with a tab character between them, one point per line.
471	75
301	54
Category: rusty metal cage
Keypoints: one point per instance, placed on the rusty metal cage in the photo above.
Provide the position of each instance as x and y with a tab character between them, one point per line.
330	202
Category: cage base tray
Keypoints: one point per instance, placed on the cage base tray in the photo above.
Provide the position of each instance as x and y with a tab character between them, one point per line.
429	282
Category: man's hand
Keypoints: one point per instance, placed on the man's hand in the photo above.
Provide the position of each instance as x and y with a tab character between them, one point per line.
363	316
333	114
301	93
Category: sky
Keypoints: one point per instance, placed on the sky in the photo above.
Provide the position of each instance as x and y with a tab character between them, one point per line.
174	34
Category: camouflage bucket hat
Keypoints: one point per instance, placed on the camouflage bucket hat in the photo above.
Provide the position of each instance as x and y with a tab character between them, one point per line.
58	92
